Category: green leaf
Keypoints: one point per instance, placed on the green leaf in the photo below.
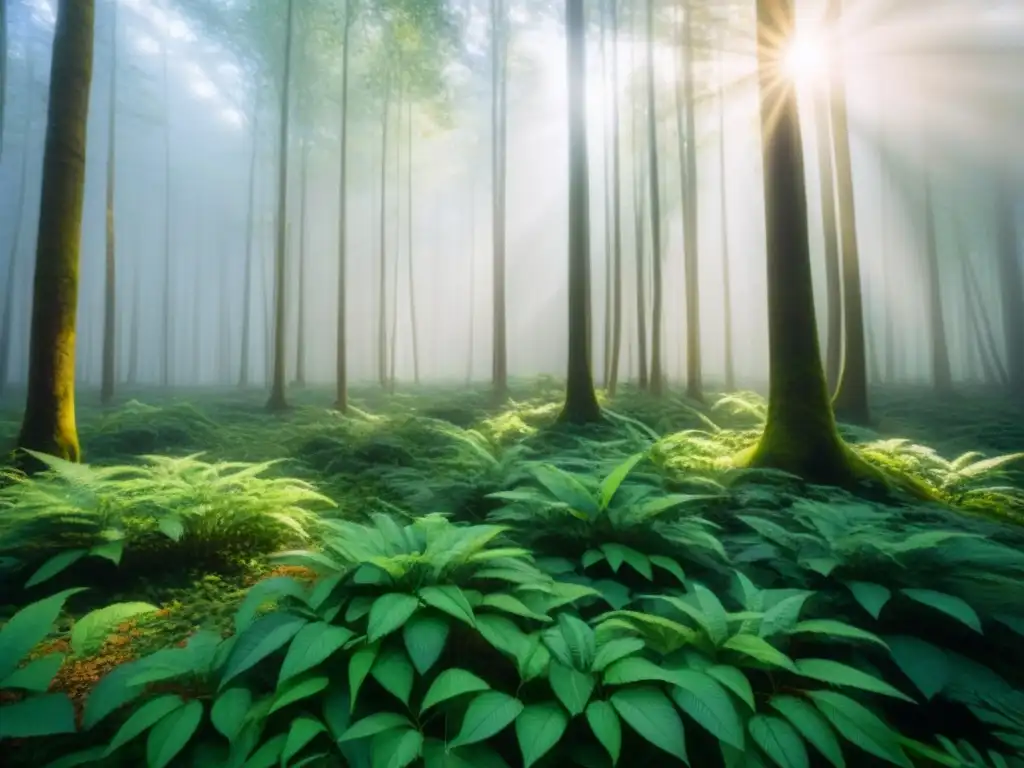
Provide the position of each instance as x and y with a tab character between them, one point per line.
872	597
705	700
396	749
267	634
487	714
860	726
374	724
114	690
35	676
533	659
449	684
948	604
47	715
812	725
636	669
268	754
297	689
566	488
302	731
55	565
828	671
502	633
714	612
759	649
389	613
670	565
449	599
359	667
835	629
606	727
615	649
144	718
620	553
611	483
172	527
579	640
436	754
509	604
783	616
733	679
572	687
262	592
927	666
779	740
395	674
229	711
29	627
650	713
538	729
109	550
82	757
90	632
312	645
169	736
425	636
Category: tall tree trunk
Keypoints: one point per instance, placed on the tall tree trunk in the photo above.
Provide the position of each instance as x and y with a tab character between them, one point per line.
393	347
985	333
412	272
300	341
613	368
800	434
851	399
694	366
165	336
657	376
133	331
48	424
341	356
606	199
980	342
1010	280
110	265
942	374
243	366
499	53
833	278
639	198
6	322
730	362
472	281
197	317
277	401
382	298
3	70
580	400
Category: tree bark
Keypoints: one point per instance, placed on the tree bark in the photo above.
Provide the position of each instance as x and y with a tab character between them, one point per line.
300	336
165	336
613	368
1010	280
341	355
691	262
412	272
49	425
942	374
243	366
110	262
382	297
6	322
730	363
833	278
657	376
499	54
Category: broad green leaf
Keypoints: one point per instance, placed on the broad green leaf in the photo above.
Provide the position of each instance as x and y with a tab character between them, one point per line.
927	666
436	754
114	690
297	689
48	715
265	636
82	757
262	592
144	718
35	676
109	550
374	724
759	649
269	753
172	527
449	684
566	488
606	727
302	731
835	673
733	679
617	554
312	645
835	629
169	736
812	725
572	687
395	674
783	616
359	666
615	649
705	700
91	631
388	613
229	711
55	565
670	565
948	604
425	636
534	659
538	729
650	713
502	633
714	611
579	639
872	597
487	714
611	483
509	604
591	557
860	726
636	669
449	599
779	740
397	748
29	627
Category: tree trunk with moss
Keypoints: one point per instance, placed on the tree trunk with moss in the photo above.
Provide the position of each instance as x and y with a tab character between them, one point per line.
110	265
800	434
49	421
580	400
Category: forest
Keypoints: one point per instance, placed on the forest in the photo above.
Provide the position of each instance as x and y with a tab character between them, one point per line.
511	383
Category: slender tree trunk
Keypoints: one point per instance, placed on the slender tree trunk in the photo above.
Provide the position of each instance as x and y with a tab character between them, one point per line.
499	343
985	333
243	366
613	372
110	270
942	375
48	424
980	345
393	347
657	376
341	356
300	341
694	366
472	281
730	362
133	331
197	315
639	198
412	262
382	298
580	400
833	279
3	70
1010	280
165	336
277	401
607	200
6	322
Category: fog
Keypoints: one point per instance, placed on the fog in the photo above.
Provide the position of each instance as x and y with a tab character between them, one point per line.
934	98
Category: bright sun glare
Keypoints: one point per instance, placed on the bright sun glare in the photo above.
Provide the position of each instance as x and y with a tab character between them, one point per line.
805	59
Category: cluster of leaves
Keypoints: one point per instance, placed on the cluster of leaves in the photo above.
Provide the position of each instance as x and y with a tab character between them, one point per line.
140	428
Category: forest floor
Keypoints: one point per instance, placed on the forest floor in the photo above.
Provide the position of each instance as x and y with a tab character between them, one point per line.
416	452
